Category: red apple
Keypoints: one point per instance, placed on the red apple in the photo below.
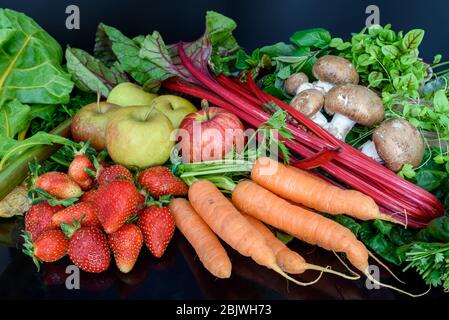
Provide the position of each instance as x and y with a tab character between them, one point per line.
210	134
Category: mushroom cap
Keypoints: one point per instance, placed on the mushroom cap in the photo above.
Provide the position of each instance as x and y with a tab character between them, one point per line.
294	82
358	103
398	142
308	102
336	70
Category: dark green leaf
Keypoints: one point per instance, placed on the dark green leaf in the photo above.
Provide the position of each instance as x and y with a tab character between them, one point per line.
317	37
430	179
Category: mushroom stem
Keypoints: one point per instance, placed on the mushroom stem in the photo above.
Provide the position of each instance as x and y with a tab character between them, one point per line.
340	126
322	86
369	149
319	119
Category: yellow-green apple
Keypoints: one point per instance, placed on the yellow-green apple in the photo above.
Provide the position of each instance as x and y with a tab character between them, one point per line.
139	136
129	94
89	123
209	134
174	107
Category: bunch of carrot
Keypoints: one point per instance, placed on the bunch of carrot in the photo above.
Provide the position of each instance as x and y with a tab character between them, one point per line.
274	197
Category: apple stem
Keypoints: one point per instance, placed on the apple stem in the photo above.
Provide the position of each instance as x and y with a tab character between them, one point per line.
205	107
98	101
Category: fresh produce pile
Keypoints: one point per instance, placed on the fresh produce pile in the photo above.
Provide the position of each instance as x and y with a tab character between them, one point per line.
340	144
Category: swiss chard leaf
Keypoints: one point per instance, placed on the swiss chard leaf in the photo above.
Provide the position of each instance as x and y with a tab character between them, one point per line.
127	52
90	74
13	118
10	148
30	62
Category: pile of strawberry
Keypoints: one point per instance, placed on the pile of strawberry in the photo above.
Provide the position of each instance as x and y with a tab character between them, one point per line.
112	213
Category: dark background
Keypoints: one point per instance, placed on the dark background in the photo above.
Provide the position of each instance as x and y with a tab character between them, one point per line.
259	22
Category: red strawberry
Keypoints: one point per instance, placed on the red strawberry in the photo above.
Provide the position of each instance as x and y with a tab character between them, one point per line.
126	243
59	184
77	211
38	218
116	202
89	251
78	174
50	246
115	172
158	226
140	203
160	181
89	196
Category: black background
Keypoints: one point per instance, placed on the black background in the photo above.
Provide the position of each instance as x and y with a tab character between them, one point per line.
259	22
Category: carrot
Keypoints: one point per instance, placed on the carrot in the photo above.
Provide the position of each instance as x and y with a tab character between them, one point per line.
229	224
304	224
289	260
200	236
304	188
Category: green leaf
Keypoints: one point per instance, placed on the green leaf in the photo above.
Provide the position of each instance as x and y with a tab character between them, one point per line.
284	73
90	74
390	51
407	172
408	59
437	58
278	49
375	78
103	48
441	102
430	179
338	44
30	62
317	37
14	117
10	148
127	52
413	39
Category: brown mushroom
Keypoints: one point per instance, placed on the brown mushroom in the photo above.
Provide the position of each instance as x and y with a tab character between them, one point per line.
336	70
294	82
398	142
310	102
352	104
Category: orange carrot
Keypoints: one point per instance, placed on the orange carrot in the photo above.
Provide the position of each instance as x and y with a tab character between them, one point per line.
200	236
229	224
304	188
304	224
288	260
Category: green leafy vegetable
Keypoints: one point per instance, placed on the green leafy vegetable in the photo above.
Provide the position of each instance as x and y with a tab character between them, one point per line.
317	37
30	62
90	74
13	118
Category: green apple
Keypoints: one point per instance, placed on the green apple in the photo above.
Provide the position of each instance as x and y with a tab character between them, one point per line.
129	94
89	123
174	107
139	136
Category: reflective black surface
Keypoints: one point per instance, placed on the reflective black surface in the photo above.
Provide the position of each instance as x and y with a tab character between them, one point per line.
180	275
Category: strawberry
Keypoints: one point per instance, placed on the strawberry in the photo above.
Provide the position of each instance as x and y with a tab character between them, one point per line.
115	172
50	246
160	181
38	218
89	250
116	202
89	196
59	185
126	243
88	210
140	205
158	226
77	171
